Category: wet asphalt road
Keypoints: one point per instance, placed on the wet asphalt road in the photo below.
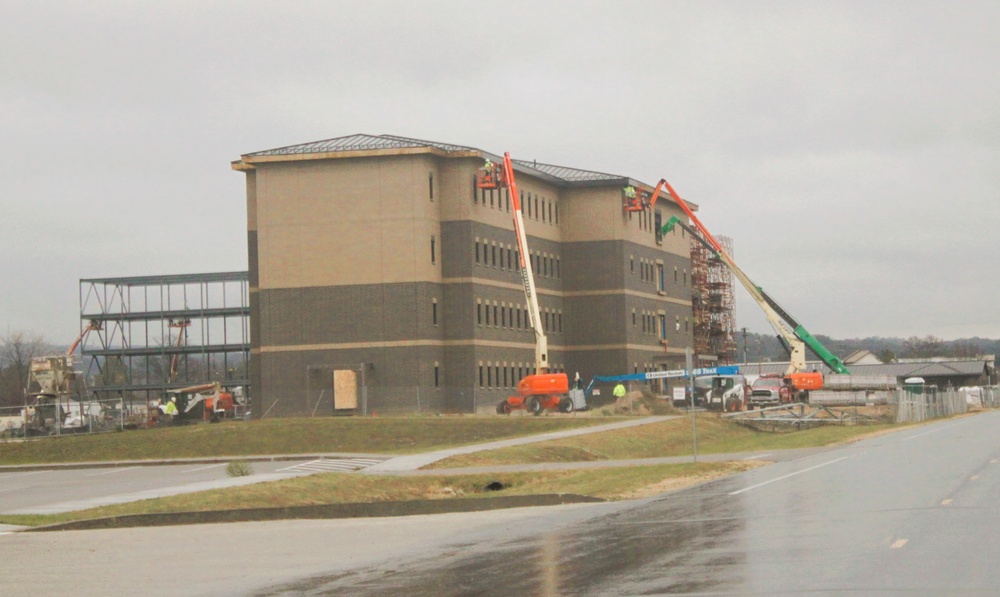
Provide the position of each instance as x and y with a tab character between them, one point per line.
915	513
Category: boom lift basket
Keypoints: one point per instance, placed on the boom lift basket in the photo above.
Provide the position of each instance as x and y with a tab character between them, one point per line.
490	178
634	199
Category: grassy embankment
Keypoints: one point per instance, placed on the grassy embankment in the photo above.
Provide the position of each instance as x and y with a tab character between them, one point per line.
669	438
338	488
373	435
660	439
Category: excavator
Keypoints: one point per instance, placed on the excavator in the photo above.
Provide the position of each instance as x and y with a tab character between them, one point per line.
793	337
542	390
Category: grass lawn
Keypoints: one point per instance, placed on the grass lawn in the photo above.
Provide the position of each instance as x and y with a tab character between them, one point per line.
374	435
669	438
333	488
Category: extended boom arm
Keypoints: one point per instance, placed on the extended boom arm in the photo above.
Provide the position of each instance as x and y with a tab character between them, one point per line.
796	336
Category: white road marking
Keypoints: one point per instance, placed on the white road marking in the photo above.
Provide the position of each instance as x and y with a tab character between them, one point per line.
899	543
927	432
756	457
946	502
115	470
205	468
323	465
25	474
812	468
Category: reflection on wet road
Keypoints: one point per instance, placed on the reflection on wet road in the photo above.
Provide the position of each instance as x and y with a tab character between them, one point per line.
910	513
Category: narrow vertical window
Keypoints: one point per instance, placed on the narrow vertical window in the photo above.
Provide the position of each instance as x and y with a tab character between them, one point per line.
494	252
631	261
491	198
437	375
543	209
503	316
487	314
550	212
477	250
508	200
557	212
430	185
536	207
475	196
558	268
659	276
633	317
496	320
489	376
434	311
433	251
501	259
479	313
510	262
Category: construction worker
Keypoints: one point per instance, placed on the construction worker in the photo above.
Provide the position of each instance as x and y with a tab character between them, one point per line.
171	408
619	391
630	192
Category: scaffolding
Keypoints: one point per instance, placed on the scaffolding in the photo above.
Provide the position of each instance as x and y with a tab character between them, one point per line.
160	333
713	302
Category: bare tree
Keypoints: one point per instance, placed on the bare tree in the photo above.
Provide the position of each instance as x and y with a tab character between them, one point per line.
17	348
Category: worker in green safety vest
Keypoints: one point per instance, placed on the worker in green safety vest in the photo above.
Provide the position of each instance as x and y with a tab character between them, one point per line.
619	391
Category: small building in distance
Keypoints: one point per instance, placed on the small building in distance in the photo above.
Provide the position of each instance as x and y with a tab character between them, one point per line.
383	280
940	372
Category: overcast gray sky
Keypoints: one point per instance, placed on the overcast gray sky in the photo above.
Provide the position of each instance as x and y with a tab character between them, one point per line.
851	149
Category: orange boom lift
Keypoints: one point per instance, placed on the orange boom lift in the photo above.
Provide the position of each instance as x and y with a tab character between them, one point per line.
543	390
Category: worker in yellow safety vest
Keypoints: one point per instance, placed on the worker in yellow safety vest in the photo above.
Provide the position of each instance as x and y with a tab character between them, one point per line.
619	391
171	408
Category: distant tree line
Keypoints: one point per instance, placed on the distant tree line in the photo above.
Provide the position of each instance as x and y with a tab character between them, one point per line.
764	347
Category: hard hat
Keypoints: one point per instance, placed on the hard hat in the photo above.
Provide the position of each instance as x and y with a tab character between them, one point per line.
173	398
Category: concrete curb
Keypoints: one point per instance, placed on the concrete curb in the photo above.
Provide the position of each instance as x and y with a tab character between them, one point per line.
327	511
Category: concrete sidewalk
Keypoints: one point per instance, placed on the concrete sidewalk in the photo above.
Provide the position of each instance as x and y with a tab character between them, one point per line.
20	468
413	462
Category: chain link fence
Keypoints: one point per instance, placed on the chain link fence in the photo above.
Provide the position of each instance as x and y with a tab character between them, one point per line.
70	417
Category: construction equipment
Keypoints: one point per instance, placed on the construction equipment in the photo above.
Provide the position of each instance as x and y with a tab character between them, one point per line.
51	381
543	390
791	334
182	325
207	402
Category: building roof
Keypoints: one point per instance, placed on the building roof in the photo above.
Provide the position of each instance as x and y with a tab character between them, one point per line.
359	142
571	174
560	175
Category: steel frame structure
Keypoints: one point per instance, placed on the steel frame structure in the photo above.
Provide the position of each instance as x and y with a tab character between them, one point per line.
195	324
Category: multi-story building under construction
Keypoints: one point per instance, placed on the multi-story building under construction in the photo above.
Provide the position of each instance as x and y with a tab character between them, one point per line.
713	303
382	279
